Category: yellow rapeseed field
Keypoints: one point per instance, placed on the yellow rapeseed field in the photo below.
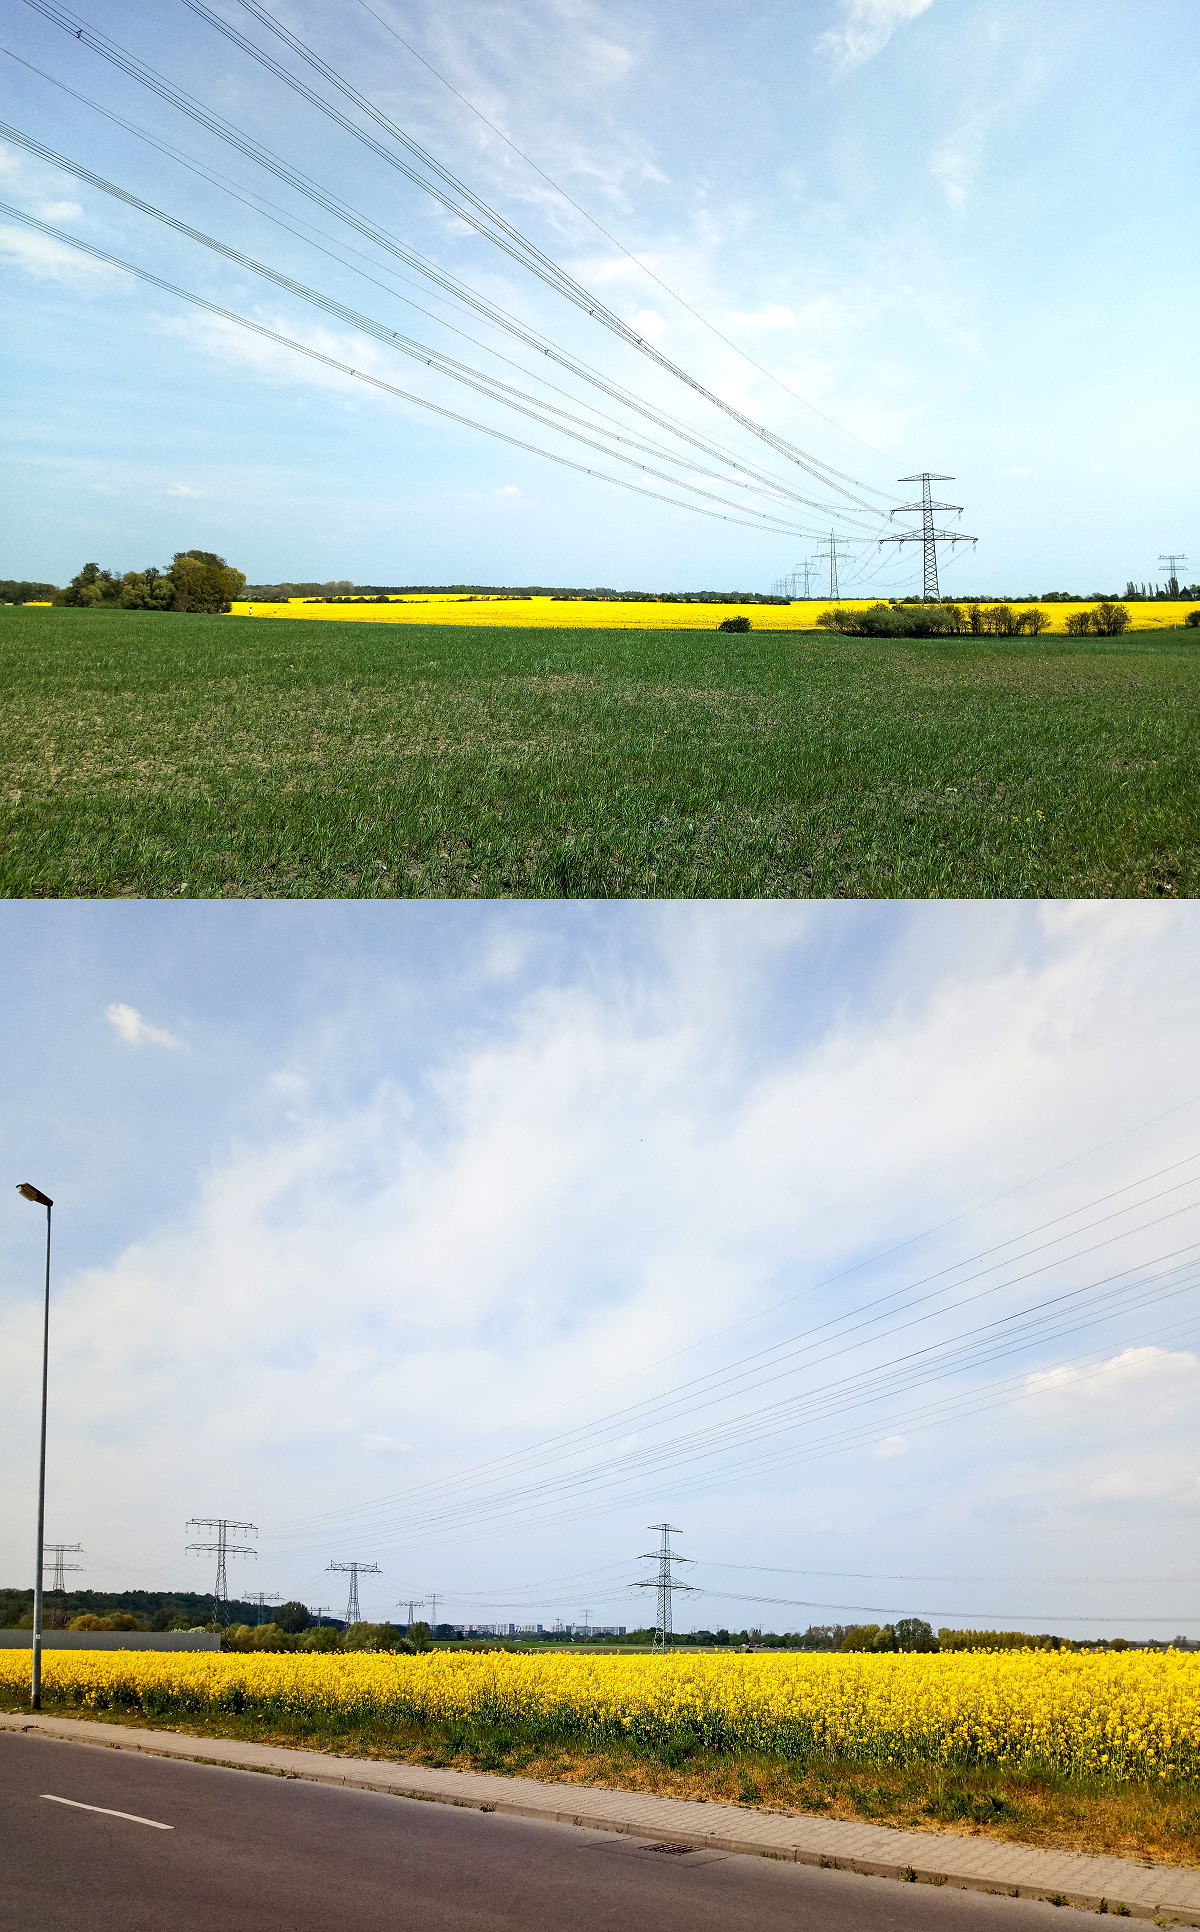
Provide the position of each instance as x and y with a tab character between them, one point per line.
1132	1715
552	612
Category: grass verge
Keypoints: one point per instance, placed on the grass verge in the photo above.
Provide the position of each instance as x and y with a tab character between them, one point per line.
152	756
1132	1820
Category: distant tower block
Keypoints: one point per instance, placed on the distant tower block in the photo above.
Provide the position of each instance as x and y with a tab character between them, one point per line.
927	536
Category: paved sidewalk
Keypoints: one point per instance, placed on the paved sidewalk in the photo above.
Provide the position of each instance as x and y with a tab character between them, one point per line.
1167	1893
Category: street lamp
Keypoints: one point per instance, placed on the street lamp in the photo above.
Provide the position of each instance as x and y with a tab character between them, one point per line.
35	1194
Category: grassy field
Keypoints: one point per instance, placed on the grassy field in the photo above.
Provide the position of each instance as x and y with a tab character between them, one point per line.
163	756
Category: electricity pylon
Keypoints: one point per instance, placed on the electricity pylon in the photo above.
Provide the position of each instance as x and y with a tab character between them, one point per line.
835	595
414	1603
221	1548
928	537
354	1571
262	1598
664	1583
1172	559
55	1553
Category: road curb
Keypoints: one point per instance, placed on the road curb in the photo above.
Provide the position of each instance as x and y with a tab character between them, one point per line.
1165	1894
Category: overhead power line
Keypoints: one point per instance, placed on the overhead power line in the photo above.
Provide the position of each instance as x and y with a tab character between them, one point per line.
609	237
359	375
262	156
496	391
453	193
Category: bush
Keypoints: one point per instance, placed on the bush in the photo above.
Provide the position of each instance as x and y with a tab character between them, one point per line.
1079	623
735	624
374	1636
1193	618
891	620
1110	619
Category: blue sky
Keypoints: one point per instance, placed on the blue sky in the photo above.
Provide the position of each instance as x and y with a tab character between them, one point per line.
472	1240
957	229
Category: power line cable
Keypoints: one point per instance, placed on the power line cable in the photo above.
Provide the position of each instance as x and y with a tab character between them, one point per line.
263	157
359	375
460	200
488	386
628	253
700	1392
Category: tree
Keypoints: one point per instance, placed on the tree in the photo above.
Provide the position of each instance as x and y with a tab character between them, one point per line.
292	1617
418	1636
913	1633
1079	623
1034	622
204	582
92	586
149	589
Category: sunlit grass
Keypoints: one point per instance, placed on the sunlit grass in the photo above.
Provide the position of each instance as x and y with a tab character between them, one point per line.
167	756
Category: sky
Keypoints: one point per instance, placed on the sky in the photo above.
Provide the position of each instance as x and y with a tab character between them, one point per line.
859	1242
945	235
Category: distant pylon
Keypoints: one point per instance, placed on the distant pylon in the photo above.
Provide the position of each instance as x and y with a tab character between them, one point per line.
354	1571
55	1553
221	1548
262	1598
664	1583
1172	559
927	536
414	1603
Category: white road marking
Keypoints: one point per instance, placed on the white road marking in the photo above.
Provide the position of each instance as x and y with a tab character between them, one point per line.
131	1816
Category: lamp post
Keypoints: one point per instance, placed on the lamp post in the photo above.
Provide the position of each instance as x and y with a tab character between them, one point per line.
35	1194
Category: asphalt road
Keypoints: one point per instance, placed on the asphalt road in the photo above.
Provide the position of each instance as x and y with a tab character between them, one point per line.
249	1853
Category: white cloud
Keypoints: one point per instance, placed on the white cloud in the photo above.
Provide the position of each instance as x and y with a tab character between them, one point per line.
135	1030
867	26
508	490
183	489
893	1446
649	323
60	210
52	261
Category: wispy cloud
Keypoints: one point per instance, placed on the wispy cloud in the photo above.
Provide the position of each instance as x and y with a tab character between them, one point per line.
136	1030
867	26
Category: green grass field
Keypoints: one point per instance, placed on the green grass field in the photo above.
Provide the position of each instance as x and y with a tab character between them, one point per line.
190	756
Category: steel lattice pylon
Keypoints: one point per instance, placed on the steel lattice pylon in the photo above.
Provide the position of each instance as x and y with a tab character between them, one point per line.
221	1549
664	1583
928	537
354	1571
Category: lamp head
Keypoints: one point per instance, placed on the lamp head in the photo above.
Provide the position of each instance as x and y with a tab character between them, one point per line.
33	1193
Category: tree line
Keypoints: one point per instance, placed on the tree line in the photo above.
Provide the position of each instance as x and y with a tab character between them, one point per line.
196	580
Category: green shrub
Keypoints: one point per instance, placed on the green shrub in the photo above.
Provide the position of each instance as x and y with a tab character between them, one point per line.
1193	618
734	624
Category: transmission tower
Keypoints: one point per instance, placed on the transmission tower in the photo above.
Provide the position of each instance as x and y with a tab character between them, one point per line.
354	1571
433	1600
56	1554
262	1598
221	1548
927	536
834	549
664	1582
414	1603
1172	560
